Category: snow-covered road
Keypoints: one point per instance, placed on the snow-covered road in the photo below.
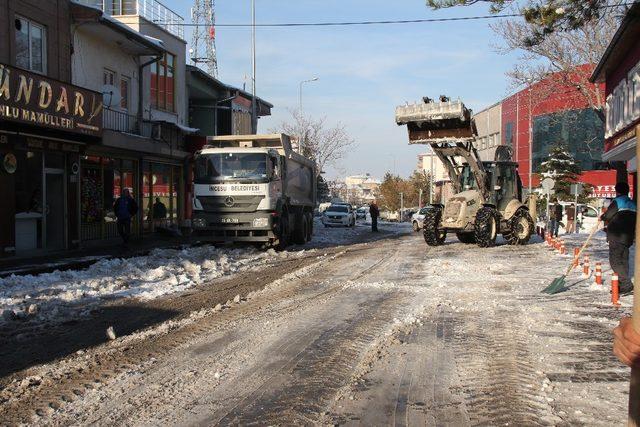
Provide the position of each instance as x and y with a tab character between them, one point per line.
380	332
63	295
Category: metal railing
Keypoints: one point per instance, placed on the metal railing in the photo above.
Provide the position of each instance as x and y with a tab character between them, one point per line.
151	10
127	123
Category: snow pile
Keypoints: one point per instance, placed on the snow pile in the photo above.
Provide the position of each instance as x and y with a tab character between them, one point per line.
163	271
323	236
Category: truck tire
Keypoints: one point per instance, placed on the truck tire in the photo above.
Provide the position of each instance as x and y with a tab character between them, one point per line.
486	227
432	235
519	228
466	237
416	227
309	219
285	232
300	229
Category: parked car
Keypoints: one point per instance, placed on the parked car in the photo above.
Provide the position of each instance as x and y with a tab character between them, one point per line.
361	213
418	218
339	215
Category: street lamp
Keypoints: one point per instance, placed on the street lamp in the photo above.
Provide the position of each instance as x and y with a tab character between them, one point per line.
315	79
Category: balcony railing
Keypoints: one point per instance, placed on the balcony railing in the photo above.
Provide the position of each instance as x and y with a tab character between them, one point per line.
127	123
151	10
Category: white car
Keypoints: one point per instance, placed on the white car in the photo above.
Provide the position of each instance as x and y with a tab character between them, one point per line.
587	216
339	215
417	219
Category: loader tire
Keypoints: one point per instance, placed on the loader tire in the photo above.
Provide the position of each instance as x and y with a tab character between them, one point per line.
466	237
486	227
432	235
519	228
300	230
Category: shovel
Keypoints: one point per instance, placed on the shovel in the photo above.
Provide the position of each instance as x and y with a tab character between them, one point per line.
557	285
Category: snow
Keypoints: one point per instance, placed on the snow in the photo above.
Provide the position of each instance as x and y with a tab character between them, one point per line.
67	294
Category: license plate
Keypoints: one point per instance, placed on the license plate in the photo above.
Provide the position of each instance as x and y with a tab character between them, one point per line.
229	220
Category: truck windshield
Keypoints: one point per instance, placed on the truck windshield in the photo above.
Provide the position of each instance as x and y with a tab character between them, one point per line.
242	167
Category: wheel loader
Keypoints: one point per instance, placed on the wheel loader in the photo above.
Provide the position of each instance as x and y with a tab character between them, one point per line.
488	197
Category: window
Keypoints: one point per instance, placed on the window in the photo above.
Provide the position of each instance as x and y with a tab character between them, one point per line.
108	77
31	45
124	92
163	83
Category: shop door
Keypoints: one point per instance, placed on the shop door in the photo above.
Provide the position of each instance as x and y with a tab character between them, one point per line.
55	202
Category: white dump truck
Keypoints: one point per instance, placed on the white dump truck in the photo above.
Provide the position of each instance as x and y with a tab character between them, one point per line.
253	188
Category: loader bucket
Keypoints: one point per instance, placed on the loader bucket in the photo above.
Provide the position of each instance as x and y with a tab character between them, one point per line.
430	122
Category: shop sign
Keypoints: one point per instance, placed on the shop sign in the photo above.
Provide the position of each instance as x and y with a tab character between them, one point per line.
41	144
37	100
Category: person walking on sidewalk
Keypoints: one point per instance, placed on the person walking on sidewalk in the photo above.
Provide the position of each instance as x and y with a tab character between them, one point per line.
620	222
571	219
125	208
555	217
375	213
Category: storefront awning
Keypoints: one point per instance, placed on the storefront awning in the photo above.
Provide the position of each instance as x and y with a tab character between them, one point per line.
622	152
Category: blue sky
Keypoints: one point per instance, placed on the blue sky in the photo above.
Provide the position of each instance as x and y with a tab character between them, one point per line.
364	71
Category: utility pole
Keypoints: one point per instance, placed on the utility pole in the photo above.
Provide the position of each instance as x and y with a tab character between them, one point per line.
254	109
420	198
530	141
401	207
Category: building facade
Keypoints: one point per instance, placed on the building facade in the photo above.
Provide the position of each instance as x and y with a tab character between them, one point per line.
139	67
489	126
619	70
46	123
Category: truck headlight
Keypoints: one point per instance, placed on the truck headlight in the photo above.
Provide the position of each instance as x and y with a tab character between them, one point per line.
260	222
199	222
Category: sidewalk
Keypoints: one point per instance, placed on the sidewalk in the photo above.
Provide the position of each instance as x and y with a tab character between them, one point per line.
86	256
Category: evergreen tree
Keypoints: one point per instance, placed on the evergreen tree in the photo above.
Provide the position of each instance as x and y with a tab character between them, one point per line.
324	194
563	169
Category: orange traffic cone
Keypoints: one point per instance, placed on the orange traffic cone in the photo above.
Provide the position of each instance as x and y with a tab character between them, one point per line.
585	268
576	257
615	289
598	273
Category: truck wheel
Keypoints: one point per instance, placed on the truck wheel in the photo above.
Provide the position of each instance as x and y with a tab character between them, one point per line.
432	235
519	228
466	237
309	219
300	230
486	227
283	238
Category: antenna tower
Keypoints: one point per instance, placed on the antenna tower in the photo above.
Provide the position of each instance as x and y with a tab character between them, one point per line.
203	44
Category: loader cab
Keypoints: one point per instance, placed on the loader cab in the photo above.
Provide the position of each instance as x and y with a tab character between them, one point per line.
505	182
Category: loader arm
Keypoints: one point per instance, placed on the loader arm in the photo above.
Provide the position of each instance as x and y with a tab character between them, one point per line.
447	153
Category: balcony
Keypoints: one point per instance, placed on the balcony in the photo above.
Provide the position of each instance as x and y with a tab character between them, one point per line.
151	10
126	123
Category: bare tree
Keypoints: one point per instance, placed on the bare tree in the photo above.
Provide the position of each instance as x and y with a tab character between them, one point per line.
563	59
326	145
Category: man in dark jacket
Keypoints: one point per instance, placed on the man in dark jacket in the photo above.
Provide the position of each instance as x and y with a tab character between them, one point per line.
375	213
125	208
620	221
555	217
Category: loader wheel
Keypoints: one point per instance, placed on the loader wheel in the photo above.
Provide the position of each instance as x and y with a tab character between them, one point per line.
520	228
486	227
432	235
466	237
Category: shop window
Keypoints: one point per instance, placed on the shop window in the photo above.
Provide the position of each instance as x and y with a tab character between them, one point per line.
103	181
31	45
162	199
108	77
29	200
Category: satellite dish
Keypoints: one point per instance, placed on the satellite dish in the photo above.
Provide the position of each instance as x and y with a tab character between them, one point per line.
110	96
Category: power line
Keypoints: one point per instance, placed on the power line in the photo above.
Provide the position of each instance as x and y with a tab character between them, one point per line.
351	23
